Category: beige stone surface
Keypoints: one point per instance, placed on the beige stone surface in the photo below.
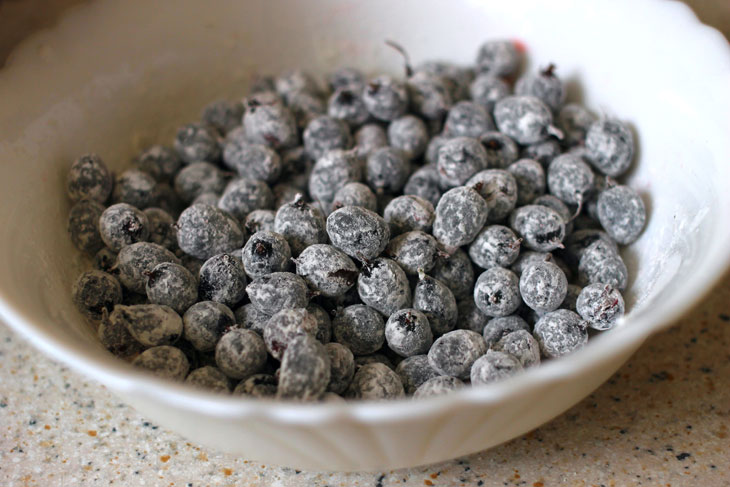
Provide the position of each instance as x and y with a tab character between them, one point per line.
662	420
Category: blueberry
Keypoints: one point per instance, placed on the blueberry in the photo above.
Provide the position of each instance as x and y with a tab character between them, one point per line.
543	152
610	146
284	326
543	286
151	325
470	317
355	194
240	353
301	224
560	332
332	171
162	228
204	231
83	225
164	361
95	292
487	89
501	150
460	215
459	159
358	232
370	137
574	120
90	179
541	228
577	242
530	178
168	199
258	220
545	85
324	323
192	264
601	305
347	105
386	169
198	178
375	381
223	115
136	261
437	302
455	77
326	269
258	385
558	205
622	213
250	318
136	188
525	119
414	371
276	291
494	366
495	246
296	167
373	358
196	142
345	77
498	58
296	80
360	328
413	251
499	189
121	225
205	322
305	107
570	179
384	286
408	332
270	124
172	285
253	161
457	273
324	134
600	263
105	260
209	378
496	292
409	134
161	162
115	337
305	370
385	98
500	327
430	95
467	119
571	298
425	183
438	386
222	279
265	252
454	353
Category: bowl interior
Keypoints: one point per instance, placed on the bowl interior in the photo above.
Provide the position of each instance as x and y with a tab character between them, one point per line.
129	82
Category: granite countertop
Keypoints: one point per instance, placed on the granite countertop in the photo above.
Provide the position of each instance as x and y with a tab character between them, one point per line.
663	419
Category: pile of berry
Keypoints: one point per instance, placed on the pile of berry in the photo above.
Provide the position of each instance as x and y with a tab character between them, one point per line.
374	238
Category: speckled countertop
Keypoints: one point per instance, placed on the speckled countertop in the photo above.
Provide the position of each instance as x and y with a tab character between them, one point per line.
662	420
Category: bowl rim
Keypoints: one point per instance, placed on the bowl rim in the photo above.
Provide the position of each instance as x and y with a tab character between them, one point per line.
123	377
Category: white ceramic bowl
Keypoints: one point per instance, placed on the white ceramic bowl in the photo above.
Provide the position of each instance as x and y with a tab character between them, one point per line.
114	76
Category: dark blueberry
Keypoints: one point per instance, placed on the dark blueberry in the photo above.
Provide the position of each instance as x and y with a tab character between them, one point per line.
459	159
305	370
560	332
570	179
494	366
425	183
470	317
498	58
355	194
497	293
90	179
487	89
525	119
610	146
543	286
96	292
164	361
240	353
499	189
258	220
408	332
205	323
385	98
151	325
162	227
600	263
331	172
209	378
499	327
530	178
370	137
136	261
460	215
250	318
413	251
253	161
345	77
541	228
438	386
387	169
437	302
407	213
574	120
284	326
324	134
105	260
276	291
136	188
223	115
430	95
360	328
409	134
358	232
121	225
456	78
265	252
222	279
198	178
327	270
172	285
501	150
543	152
495	246
161	162
270	124
115	337
301	224
383	285
467	119
83	225
545	85
347	105
622	213
414	371
601	305
457	273
204	231
197	142
454	353
375	381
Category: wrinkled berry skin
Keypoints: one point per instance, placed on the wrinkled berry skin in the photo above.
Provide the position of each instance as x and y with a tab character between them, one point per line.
136	261
622	213
610	146
327	270
525	119
332	171
90	179
151	325
570	179
223	279
495	246
541	228
94	292
499	189
413	251
544	85
305	370
270	124
600	263
459	159
601	305
115	337
301	224
375	381
355	194
360	328
164	361
387	169
253	161
205	323
196	142
496	292
433	298
172	285
408	332
240	353
438	386
560	332
205	231
383	285
494	366
487	89
358	232
454	353
457	273
265	252
198	178
276	291
385	98
123	224
530	178
408	212
499	327
543	286
424	183
324	134
460	215
136	188
467	119
83	225
501	150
